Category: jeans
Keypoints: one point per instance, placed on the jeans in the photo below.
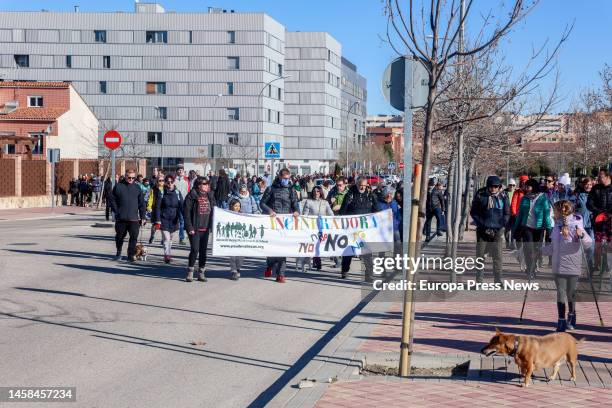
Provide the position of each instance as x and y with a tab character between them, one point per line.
236	263
199	246
167	242
181	227
95	197
122	228
494	248
440	222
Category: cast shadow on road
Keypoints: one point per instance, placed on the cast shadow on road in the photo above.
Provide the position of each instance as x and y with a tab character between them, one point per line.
178	348
175	271
198	312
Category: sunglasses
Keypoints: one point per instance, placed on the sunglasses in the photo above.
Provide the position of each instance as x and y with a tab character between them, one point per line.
131	178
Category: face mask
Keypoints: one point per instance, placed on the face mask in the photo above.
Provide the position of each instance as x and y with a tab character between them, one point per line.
285	182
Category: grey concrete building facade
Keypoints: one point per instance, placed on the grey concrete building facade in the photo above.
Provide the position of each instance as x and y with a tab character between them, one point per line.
354	111
176	83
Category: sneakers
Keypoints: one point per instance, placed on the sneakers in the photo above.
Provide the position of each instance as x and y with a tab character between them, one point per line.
151	240
280	279
117	258
344	273
182	242
201	275
167	259
571	321
189	277
561	325
235	275
268	272
132	259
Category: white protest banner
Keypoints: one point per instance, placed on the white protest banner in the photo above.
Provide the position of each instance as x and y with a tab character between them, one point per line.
284	235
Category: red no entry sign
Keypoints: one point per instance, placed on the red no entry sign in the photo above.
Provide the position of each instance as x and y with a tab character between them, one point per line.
401	165
112	139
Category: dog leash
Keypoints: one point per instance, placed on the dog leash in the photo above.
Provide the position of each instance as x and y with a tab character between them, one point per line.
516	346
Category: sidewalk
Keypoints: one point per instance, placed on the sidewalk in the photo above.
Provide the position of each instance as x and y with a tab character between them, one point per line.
456	331
19	214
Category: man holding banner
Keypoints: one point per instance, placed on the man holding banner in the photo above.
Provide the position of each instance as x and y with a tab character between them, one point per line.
280	198
359	200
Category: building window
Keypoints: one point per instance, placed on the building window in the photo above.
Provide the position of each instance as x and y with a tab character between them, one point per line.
102	87
38	144
157	37
35	101
162	112
280	69
231	37
233	113
233	62
230	88
22	61
154	137
190	37
106	63
68	61
269	115
100	36
278	117
156	87
278	94
232	138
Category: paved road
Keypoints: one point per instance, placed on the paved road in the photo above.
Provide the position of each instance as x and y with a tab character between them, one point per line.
121	333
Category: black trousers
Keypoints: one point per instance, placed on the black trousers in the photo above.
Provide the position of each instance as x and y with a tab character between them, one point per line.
532	246
199	245
122	228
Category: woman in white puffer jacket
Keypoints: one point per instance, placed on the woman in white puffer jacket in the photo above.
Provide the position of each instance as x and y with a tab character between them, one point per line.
316	205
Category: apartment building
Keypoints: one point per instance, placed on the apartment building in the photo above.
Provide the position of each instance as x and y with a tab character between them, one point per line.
203	89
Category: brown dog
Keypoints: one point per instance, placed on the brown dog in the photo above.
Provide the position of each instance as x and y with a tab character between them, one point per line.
141	252
535	352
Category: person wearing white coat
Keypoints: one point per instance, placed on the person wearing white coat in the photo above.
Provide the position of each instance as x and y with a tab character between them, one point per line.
315	205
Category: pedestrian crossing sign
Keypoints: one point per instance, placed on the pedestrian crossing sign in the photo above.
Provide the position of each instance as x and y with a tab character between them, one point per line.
272	150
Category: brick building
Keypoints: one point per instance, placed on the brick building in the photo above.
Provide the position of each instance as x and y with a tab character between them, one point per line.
36	116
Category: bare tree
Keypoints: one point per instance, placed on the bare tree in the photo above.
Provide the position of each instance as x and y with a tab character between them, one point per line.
436	46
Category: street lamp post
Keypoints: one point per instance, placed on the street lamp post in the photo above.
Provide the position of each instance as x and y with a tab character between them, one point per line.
260	95
347	135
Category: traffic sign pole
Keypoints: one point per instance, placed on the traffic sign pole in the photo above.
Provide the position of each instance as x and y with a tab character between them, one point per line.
112	140
113	176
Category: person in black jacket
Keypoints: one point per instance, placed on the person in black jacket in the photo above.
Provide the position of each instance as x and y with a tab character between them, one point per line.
128	205
599	202
435	207
222	191
279	198
167	211
359	200
108	189
198	216
490	212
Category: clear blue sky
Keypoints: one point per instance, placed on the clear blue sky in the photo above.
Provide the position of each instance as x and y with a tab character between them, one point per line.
357	24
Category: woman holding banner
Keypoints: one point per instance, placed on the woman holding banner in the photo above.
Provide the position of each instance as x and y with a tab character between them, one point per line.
317	206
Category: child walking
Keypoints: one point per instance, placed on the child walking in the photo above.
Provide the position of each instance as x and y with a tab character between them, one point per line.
235	261
565	249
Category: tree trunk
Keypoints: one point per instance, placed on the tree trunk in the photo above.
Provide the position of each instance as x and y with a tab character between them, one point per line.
427	138
467	193
456	220
450	186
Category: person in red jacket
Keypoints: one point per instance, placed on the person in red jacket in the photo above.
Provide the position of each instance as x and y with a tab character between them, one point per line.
514	207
